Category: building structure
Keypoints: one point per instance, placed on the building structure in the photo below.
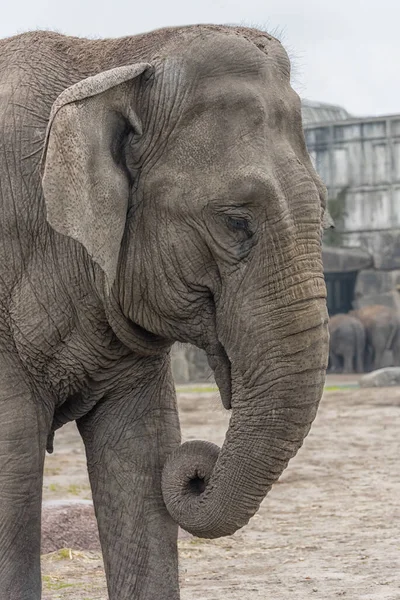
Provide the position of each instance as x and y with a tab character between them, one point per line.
360	158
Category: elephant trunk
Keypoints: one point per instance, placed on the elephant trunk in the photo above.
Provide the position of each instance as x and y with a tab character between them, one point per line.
212	493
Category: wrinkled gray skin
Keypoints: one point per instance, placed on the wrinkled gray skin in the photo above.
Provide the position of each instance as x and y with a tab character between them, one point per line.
172	199
346	344
382	328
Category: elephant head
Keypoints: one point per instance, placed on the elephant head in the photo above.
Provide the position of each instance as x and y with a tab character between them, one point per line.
187	180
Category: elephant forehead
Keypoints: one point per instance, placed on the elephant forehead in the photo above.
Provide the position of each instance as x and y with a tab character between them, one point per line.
211	65
235	108
213	54
234	95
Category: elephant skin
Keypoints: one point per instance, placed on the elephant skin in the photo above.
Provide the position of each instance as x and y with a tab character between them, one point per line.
346	344
382	328
154	188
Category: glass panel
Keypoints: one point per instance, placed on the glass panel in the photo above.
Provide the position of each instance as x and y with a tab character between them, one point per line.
375	129
347	132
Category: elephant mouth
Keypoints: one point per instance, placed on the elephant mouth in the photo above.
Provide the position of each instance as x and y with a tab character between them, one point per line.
221	366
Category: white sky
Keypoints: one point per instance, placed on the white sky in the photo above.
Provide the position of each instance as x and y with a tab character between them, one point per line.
345	52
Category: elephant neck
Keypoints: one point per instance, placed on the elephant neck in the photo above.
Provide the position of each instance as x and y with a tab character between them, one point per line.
131	334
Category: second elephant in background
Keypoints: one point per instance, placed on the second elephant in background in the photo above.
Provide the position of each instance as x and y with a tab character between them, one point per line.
382	328
347	344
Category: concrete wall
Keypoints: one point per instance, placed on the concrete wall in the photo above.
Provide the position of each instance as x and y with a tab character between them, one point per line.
363	156
189	365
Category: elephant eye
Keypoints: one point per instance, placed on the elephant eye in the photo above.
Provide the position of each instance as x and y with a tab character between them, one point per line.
239	224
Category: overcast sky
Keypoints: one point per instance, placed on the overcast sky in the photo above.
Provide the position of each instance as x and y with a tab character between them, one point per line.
345	52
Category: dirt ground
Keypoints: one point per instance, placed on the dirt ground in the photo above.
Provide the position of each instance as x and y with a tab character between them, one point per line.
329	528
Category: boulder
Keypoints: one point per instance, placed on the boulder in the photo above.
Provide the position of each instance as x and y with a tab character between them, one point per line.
383	246
345	259
370	282
390	299
387	377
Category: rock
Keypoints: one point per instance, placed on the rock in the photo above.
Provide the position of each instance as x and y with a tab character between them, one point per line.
370	282
390	299
386	250
387	377
345	259
383	246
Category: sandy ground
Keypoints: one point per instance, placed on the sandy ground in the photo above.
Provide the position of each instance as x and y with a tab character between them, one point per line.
330	528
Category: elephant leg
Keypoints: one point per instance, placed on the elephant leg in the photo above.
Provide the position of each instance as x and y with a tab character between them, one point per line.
23	432
348	362
360	350
378	358
127	437
359	363
395	346
336	365
369	358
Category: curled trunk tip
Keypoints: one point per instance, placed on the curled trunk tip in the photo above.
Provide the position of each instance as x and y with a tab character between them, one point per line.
185	477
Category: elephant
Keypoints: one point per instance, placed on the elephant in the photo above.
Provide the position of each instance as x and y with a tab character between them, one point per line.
382	328
346	344
155	189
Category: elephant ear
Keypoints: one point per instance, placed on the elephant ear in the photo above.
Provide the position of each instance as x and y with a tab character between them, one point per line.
327	221
86	189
